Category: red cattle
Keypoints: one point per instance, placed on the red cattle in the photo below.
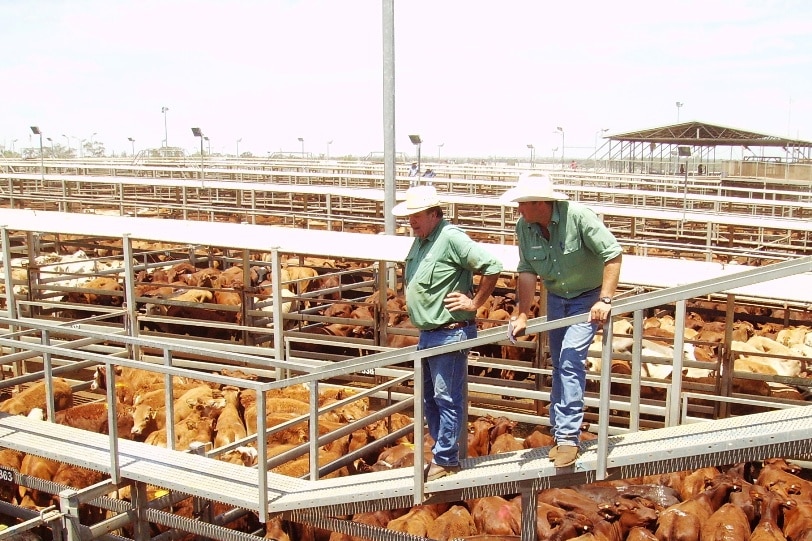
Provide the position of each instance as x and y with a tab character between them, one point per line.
43	468
497	516
10	459
797	521
770	504
418	520
34	397
230	426
79	478
556	524
779	475
683	521
728	523
97	292
94	417
456	523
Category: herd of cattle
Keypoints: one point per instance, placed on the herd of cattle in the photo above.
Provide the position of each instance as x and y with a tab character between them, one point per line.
754	501
211	302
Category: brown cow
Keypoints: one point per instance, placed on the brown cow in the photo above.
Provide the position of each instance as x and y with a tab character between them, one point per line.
10	459
230	426
34	397
418	520
42	468
683	521
456	523
115	297
497	516
94	417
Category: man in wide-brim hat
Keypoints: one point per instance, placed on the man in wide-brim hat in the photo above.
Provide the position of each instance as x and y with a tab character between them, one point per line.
441	302
578	260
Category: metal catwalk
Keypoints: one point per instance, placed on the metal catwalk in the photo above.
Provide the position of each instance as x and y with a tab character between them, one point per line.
785	433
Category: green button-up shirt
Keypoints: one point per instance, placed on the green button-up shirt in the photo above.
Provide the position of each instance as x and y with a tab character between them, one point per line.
442	263
572	261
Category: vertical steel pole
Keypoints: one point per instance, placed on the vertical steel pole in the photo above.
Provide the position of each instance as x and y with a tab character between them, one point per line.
389	151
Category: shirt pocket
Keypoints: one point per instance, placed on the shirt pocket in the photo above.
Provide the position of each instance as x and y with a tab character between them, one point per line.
425	275
537	253
571	245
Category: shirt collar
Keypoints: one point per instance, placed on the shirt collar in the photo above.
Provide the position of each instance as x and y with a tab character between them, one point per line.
436	231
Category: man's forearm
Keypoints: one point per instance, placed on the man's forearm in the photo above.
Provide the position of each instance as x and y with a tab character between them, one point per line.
526	292
487	284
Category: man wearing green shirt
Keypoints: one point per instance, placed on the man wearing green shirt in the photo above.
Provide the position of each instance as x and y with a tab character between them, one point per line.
441	302
578	260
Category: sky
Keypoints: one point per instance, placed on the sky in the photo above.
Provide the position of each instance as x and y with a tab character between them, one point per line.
481	78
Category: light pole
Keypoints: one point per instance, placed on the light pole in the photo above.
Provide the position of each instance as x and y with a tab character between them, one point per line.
238	146
132	142
532	155
554	149
679	106
36	131
53	152
439	148
166	136
417	142
330	142
68	140
563	146
208	145
198	133
301	140
595	156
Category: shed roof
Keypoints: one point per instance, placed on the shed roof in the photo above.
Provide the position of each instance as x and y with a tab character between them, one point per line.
697	133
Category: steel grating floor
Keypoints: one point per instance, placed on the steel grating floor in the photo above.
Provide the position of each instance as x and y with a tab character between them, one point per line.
786	433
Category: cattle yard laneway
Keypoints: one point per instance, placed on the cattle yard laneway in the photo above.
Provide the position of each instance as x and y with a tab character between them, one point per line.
710	219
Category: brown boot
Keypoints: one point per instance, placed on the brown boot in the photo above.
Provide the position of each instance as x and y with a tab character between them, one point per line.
553	452
436	471
566	455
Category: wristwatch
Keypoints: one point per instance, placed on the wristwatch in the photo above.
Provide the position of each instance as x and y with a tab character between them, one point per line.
606	300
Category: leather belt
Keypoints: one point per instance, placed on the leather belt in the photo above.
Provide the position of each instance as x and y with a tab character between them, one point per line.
453	325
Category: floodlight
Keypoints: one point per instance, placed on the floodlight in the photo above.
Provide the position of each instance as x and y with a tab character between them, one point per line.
684	151
196	132
415	139
36	131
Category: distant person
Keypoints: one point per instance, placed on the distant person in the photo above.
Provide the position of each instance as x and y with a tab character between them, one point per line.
573	165
578	260
429	173
442	303
414	171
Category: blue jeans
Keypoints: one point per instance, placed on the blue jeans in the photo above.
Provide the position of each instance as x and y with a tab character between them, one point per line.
568	348
445	392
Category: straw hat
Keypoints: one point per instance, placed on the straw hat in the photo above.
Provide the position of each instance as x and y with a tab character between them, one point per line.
417	198
533	187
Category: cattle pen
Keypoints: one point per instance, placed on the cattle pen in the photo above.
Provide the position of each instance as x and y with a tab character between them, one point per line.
39	330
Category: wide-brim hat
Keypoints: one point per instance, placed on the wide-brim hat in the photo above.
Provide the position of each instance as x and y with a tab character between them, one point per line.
533	187
417	198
